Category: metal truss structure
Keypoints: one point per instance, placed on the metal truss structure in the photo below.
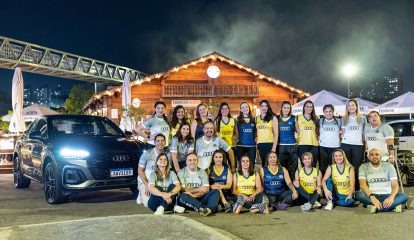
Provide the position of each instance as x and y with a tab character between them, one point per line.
46	61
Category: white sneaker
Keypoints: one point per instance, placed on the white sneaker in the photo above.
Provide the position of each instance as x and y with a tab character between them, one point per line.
139	202
179	209
329	206
372	209
317	205
160	211
397	209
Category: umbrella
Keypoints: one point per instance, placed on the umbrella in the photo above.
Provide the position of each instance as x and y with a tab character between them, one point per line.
16	121
399	105
320	99
32	112
126	121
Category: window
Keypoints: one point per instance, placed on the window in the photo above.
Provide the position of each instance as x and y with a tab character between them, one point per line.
402	129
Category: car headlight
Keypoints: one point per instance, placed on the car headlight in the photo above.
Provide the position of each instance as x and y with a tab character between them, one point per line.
73	153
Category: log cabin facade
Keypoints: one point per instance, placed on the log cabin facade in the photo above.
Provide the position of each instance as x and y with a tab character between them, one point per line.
189	84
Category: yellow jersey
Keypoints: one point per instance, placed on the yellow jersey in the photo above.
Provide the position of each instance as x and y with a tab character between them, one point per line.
246	186
308	181
307	131
341	180
227	131
264	131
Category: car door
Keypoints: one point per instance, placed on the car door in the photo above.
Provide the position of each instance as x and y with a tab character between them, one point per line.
37	148
402	130
26	149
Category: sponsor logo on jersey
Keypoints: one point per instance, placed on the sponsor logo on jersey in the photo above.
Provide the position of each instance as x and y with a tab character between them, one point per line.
193	185
262	127
164	129
327	129
284	128
353	128
208	154
377	180
275	182
371	138
247	130
308	128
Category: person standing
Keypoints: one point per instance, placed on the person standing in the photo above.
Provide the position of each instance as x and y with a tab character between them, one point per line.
178	117
379	185
198	122
329	136
307	127
226	125
352	129
288	150
267	131
381	136
195	188
246	131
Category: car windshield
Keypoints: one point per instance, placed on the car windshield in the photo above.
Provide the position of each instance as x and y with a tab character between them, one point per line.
85	126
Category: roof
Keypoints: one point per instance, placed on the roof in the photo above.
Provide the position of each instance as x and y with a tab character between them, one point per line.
212	56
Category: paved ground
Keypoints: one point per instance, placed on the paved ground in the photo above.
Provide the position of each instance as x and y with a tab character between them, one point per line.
114	213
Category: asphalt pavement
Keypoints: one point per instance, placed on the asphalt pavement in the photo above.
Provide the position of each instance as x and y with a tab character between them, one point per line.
113	214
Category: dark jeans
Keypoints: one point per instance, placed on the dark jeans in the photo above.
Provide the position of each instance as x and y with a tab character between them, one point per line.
307	197
325	158
355	156
251	151
400	198
288	157
264	149
209	200
285	196
309	148
338	199
155	201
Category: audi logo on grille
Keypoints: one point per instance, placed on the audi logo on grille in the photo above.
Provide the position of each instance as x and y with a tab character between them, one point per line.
120	158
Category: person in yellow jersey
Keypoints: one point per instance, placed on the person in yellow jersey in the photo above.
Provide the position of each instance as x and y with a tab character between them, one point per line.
267	131
339	182
226	125
308	183
307	127
178	117
247	186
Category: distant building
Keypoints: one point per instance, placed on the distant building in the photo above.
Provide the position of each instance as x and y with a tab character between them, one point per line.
393	85
45	95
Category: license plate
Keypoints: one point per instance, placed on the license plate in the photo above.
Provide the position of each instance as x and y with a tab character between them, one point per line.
121	172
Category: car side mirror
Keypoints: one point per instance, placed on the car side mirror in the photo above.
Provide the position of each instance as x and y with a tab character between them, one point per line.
35	135
128	133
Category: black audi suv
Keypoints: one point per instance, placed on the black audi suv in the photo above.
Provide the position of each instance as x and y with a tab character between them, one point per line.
73	153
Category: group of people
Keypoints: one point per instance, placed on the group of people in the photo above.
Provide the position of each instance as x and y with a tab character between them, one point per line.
208	165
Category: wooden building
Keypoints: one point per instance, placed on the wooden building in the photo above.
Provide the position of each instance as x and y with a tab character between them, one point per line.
211	79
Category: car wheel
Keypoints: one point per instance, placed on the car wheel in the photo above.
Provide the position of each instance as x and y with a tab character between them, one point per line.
20	181
53	184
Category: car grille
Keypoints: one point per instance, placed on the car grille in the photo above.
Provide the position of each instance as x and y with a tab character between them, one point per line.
100	165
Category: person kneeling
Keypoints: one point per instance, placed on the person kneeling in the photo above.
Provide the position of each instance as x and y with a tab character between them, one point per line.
379	185
164	186
248	189
196	193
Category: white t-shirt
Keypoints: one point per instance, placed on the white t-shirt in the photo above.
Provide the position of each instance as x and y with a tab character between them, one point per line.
377	138
378	179
353	131
205	150
329	133
157	125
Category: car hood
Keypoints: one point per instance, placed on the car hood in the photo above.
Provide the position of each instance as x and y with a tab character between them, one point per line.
96	143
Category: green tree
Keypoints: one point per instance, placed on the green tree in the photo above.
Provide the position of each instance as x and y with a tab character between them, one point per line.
78	96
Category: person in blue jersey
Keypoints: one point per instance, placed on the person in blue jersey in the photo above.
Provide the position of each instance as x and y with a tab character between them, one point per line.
220	178
288	150
246	131
198	122
329	136
157	123
278	186
195	188
164	187
308	183
182	143
339	182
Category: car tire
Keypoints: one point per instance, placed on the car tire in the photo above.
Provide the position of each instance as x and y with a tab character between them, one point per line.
53	184
20	181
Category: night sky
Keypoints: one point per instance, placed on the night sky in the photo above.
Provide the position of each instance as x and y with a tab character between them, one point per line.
303	43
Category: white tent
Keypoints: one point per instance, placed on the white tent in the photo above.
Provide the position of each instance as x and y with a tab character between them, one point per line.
32	112
403	104
16	119
126	122
320	99
365	106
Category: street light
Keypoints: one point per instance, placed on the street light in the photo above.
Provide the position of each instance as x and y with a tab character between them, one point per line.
349	70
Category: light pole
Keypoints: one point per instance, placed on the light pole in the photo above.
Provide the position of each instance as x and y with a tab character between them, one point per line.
349	70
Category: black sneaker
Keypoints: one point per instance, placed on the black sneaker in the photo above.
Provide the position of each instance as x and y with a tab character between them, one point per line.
204	211
227	207
219	208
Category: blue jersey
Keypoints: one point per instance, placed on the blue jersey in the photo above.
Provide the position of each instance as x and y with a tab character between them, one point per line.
246	134
217	177
274	183
287	131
